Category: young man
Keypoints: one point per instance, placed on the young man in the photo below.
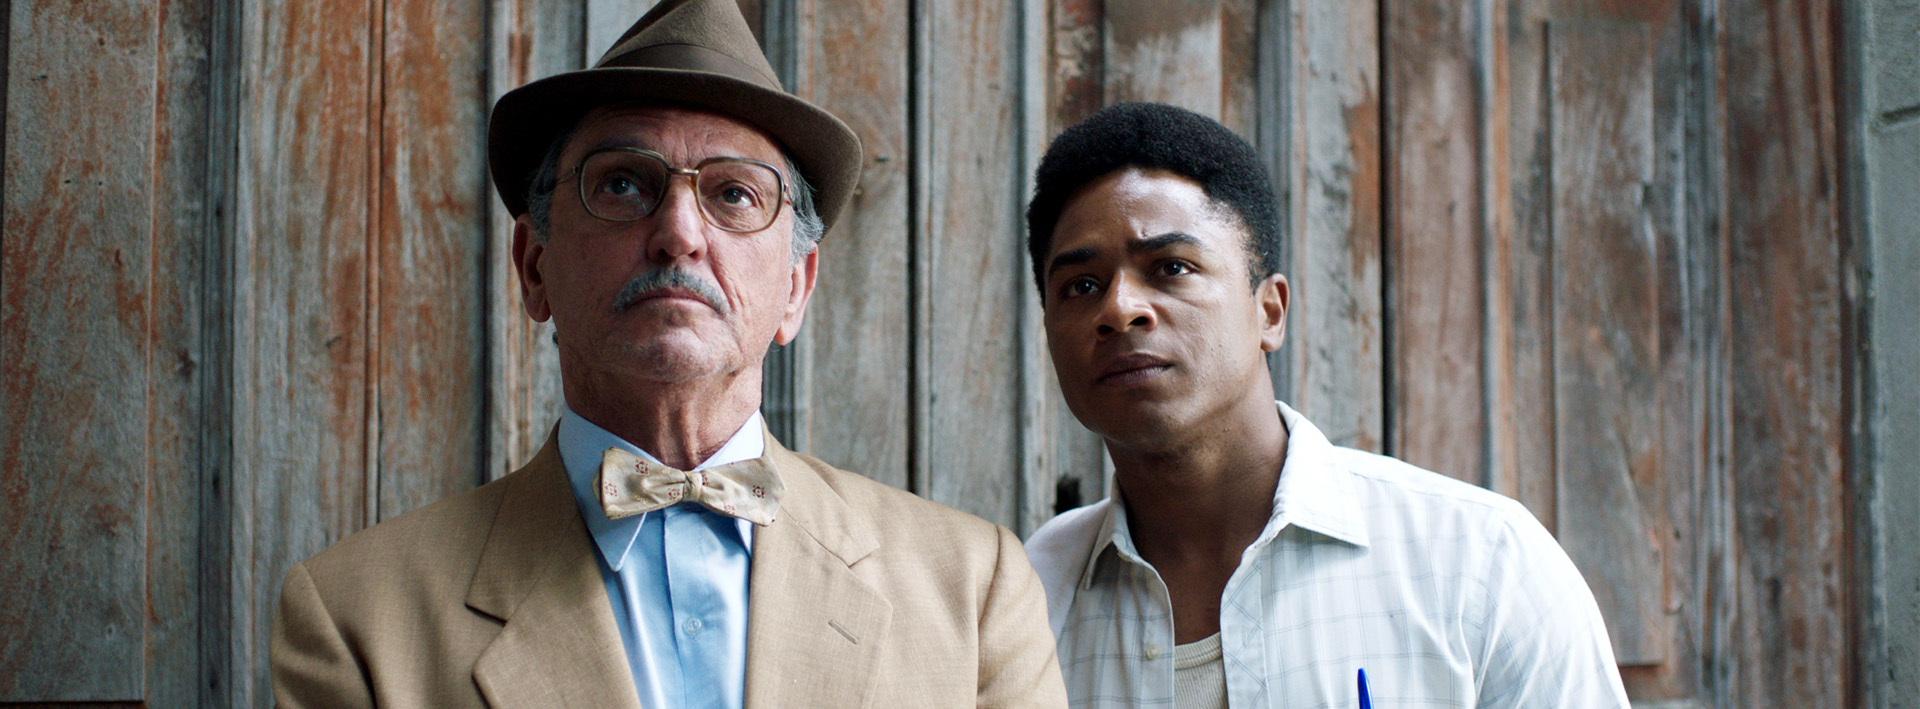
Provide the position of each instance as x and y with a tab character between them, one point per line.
1243	560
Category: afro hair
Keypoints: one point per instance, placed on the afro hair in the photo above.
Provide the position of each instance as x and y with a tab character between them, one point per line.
1162	137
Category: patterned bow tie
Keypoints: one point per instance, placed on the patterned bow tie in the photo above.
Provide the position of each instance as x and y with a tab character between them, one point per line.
630	484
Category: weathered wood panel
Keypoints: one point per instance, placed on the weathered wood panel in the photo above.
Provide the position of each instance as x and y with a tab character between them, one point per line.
1164	50
1239	80
1434	251
1792	571
1522	419
430	338
1688	328
973	239
1061	461
1334	179
606	20
1076	84
303	420
76	317
185	622
529	39
857	325
1072	87
1883	217
1606	320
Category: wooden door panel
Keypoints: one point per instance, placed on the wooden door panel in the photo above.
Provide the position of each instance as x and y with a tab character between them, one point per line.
76	319
1606	328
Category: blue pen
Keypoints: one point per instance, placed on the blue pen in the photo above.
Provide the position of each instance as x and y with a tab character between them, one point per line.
1366	702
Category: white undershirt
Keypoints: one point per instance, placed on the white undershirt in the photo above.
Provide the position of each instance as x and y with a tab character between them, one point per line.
1199	677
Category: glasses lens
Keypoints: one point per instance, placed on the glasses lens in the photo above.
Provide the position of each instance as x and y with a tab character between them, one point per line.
622	186
739	196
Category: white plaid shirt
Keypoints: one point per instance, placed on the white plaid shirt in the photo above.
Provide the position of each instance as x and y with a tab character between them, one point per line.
1447	594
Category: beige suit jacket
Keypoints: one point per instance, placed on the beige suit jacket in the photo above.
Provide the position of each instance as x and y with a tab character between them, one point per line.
861	595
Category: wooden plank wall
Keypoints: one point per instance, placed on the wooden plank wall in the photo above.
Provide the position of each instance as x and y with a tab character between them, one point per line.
1586	253
1882	135
78	300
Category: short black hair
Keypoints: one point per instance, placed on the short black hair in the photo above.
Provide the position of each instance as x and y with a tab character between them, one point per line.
1163	137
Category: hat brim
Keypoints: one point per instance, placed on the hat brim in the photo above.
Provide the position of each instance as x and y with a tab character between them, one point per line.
528	119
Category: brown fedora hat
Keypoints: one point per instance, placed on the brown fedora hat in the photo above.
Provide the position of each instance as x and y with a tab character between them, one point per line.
693	52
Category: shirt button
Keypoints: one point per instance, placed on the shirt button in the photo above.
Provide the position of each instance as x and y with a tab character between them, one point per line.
1153	652
692	626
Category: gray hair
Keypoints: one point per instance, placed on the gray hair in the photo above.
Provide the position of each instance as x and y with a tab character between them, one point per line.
807	226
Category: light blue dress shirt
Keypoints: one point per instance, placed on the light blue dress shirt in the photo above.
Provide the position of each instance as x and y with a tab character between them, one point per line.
677	577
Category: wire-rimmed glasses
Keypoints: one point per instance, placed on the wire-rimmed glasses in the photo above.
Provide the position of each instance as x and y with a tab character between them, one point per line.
624	184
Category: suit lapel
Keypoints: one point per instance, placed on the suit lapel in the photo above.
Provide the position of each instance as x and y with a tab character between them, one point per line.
538	576
816	631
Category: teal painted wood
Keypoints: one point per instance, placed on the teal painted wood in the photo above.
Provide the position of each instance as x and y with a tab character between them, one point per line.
77	308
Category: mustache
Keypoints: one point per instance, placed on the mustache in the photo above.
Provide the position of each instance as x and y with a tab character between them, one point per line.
647	283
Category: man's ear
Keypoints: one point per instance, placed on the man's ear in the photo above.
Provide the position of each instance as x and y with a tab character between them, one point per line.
527	250
1273	297
804	272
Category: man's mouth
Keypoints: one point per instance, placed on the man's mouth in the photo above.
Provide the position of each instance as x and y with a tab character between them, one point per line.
1128	370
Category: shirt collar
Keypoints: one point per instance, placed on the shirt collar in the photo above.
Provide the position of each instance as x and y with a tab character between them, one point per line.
1315	493
582	443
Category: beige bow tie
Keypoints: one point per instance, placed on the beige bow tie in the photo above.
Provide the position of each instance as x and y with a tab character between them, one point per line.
630	484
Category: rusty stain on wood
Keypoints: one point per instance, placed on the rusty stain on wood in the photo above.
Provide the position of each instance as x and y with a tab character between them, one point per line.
1336	329
432	235
1433	234
1790	504
75	338
524	399
857	322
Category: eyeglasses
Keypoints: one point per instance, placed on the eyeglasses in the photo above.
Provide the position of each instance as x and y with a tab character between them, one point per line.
627	184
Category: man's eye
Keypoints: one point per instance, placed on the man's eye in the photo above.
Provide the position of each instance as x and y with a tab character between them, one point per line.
736	196
1175	268
1081	286
620	186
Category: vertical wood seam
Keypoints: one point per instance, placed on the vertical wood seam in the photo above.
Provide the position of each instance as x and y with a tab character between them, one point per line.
1549	308
374	251
6	63
218	262
919	246
1715	557
1273	51
1034	439
1867	604
147	335
243	492
1493	388
490	49
1389	415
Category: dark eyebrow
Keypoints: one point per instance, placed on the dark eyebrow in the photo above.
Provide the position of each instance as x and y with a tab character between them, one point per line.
1071	258
1153	243
1164	242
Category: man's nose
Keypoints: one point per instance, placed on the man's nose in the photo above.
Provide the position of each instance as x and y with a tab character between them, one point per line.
678	229
1122	308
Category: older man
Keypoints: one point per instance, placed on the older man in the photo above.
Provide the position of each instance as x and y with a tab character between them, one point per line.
1243	560
662	549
